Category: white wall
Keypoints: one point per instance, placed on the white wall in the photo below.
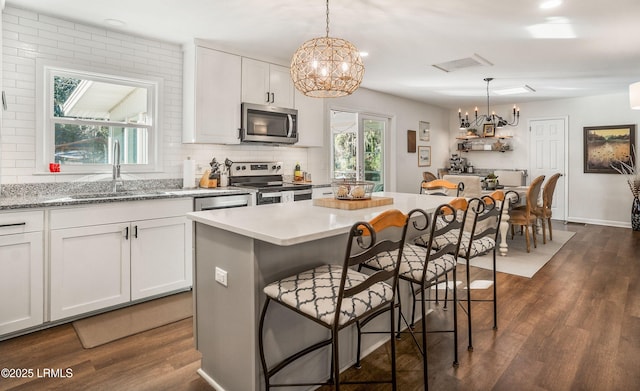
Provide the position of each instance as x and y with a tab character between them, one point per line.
592	198
405	116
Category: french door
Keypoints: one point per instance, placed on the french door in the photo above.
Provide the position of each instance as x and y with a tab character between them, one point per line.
358	147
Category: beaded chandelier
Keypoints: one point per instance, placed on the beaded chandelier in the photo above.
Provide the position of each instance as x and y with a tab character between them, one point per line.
327	67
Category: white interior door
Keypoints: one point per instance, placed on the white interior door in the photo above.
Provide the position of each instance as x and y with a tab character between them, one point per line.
547	156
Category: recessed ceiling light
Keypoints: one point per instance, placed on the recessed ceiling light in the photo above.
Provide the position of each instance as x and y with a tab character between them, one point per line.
115	22
514	90
554	28
550	4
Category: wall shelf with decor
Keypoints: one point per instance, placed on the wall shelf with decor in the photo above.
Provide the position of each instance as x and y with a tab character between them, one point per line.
486	144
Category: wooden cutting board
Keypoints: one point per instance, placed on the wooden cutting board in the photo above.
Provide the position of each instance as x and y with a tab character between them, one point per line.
352	204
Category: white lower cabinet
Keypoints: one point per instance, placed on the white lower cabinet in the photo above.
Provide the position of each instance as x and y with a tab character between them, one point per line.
89	269
21	270
160	250
100	257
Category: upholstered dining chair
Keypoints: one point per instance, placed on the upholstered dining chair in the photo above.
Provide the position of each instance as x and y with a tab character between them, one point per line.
424	266
441	187
428	176
472	184
335	296
544	213
524	216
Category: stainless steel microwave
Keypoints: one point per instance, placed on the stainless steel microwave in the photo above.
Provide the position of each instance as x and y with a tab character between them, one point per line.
268	124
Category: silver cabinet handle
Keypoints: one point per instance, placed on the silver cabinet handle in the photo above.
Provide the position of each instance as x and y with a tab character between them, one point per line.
267	97
126	233
4	101
273	97
135	232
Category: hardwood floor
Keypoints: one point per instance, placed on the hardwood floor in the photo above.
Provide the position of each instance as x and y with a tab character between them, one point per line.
574	326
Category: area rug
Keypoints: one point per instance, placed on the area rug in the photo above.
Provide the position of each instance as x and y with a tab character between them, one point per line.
110	326
518	261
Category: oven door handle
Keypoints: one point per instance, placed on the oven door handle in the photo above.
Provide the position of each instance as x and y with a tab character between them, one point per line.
302	192
271	195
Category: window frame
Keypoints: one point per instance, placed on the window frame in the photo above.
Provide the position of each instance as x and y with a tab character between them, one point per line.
45	119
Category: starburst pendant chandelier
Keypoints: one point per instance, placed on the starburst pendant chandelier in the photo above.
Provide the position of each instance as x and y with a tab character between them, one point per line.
492	118
327	67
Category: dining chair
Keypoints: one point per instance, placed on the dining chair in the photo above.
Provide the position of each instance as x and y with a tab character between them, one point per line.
524	216
472	184
544	213
336	296
441	187
428	176
424	266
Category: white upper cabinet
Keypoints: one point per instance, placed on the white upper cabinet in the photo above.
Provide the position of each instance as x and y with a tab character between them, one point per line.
211	98
310	121
265	83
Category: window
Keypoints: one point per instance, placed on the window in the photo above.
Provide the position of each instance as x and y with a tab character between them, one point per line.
85	112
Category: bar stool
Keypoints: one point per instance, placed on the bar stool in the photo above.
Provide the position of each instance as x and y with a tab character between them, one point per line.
481	239
423	267
335	296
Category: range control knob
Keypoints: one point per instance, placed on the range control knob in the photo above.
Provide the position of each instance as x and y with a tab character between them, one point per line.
237	167
244	168
274	167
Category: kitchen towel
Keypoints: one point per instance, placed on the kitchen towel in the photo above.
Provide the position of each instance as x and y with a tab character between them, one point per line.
286	196
189	174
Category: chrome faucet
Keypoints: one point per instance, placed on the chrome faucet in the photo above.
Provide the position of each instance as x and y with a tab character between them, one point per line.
116	165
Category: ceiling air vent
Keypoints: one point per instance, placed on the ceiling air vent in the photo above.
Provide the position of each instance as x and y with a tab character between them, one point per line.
473	61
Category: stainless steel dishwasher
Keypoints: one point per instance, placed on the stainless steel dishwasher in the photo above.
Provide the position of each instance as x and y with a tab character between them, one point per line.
222	202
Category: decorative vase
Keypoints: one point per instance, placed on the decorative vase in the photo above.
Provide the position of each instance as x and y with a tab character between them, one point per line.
635	214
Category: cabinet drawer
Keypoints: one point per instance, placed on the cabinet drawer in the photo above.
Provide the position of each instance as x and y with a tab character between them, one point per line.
21	222
82	216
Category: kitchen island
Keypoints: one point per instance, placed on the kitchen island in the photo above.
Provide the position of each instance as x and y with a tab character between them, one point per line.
239	251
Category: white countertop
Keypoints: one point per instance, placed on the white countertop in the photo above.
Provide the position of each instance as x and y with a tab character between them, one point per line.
298	222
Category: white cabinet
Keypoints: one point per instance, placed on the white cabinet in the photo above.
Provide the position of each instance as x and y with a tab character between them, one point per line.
155	247
89	269
322	192
106	255
310	120
21	270
265	83
211	96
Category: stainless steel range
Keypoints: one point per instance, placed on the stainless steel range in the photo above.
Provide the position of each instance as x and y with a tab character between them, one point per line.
267	179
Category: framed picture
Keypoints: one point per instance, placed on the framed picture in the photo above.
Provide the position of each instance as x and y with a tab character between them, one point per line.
488	130
424	130
424	156
411	141
607	145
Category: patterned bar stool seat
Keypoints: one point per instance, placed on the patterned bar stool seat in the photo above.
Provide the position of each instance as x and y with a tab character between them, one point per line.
335	296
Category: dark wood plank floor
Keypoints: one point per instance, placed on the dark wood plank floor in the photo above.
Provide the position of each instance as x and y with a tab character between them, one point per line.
574	326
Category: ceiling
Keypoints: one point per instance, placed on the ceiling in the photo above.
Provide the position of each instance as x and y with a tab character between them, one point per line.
600	53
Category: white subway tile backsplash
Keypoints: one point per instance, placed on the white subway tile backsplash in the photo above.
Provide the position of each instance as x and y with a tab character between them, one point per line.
28	36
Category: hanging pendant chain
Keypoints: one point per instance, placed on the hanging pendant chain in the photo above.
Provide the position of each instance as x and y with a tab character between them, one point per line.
327	18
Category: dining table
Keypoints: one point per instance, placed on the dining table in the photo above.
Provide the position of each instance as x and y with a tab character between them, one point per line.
517	195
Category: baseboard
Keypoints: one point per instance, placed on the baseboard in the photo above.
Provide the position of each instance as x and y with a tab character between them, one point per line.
610	223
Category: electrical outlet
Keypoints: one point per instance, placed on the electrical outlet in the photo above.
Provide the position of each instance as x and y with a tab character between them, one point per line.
221	276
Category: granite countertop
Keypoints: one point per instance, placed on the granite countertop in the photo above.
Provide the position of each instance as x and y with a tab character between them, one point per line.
47	195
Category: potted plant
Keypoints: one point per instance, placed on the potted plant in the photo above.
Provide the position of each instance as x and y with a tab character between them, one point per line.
631	171
490	181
